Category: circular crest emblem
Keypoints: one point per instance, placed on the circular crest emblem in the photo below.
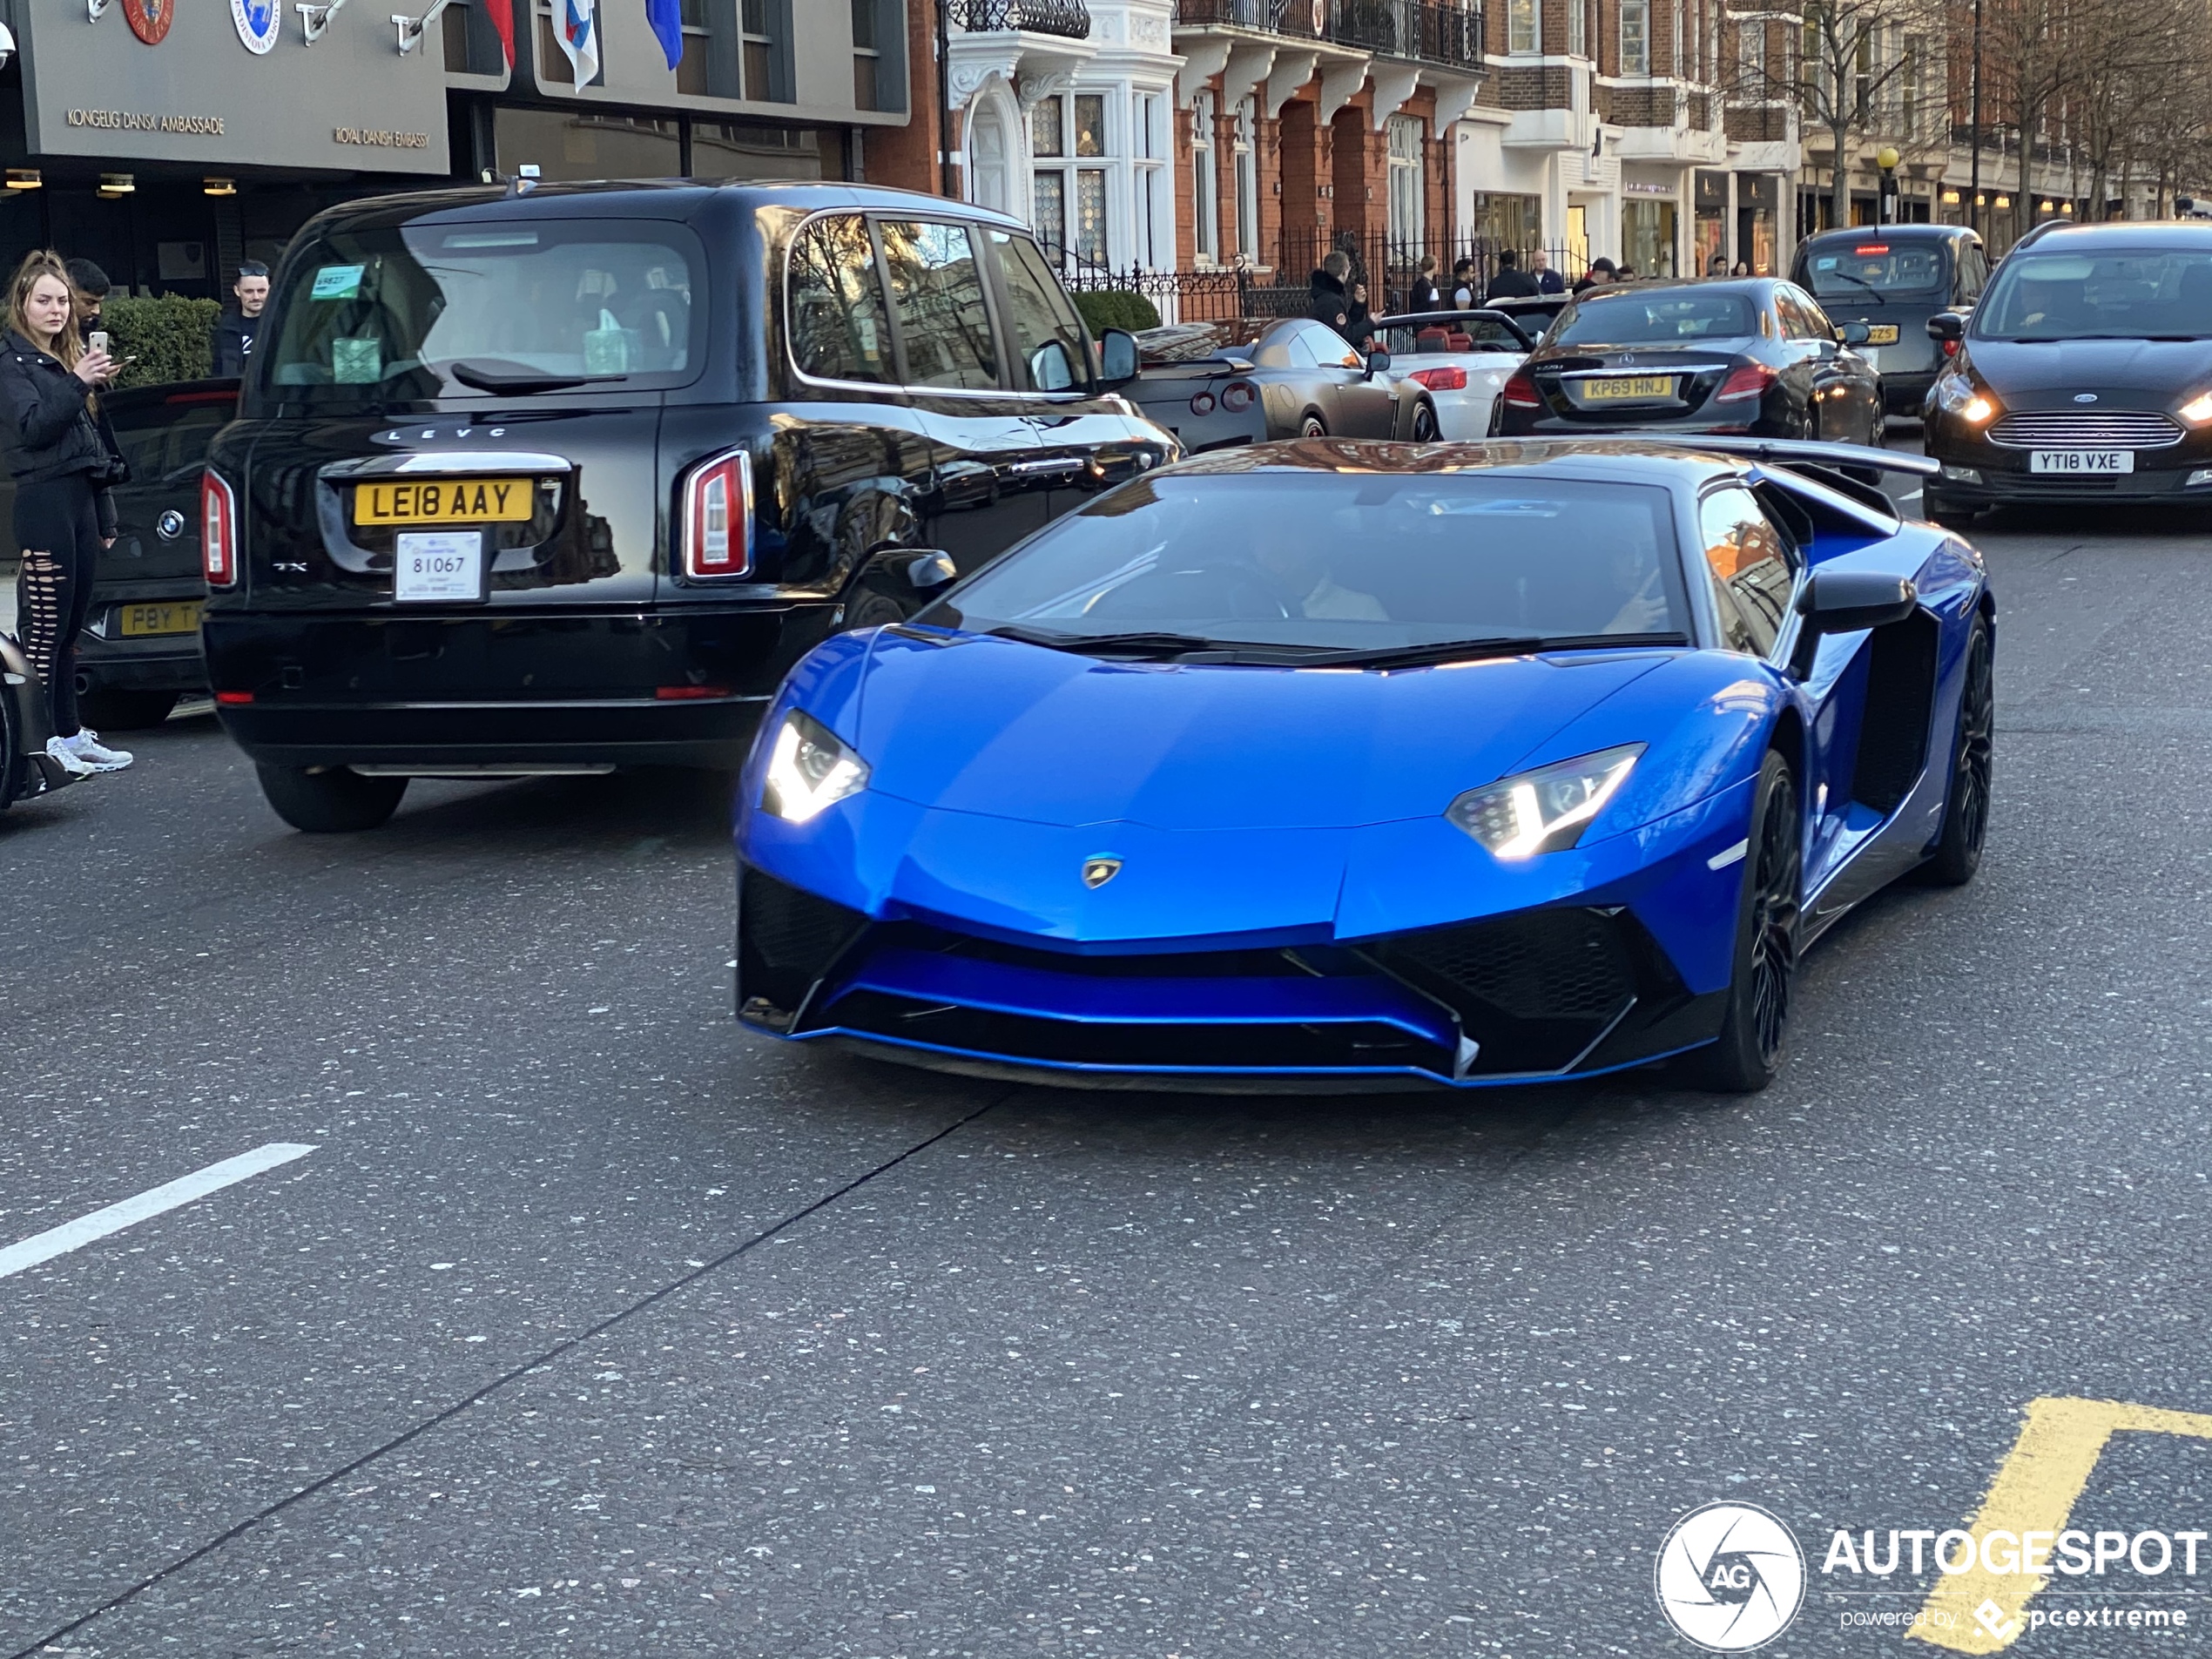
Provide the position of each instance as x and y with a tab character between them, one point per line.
1730	1577
257	21
149	19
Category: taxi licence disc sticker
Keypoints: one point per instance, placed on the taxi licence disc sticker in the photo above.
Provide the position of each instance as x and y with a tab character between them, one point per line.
337	282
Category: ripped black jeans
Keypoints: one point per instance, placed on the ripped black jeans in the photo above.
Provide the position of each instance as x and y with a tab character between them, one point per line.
57	526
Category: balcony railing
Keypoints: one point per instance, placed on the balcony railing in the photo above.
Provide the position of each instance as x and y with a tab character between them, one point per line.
1434	31
1068	19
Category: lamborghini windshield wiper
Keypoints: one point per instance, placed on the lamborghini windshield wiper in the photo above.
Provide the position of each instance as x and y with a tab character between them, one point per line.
1134	645
1451	650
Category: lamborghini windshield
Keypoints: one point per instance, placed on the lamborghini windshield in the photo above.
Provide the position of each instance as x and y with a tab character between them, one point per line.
1353	563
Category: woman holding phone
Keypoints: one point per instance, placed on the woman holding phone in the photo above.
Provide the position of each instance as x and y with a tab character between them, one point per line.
64	461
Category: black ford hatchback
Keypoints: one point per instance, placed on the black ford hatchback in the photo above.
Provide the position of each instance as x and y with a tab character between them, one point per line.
564	479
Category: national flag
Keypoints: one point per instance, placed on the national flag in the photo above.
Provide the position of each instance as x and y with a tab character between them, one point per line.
503	22
579	36
666	18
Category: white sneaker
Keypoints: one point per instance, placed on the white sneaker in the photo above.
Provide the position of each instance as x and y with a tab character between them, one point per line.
72	763
86	746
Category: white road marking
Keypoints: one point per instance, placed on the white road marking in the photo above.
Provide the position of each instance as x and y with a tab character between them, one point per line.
1910	495
170	1195
1733	856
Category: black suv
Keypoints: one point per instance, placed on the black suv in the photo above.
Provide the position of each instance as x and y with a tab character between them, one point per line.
564	478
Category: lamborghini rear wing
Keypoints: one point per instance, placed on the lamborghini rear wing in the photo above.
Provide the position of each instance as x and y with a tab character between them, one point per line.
1785	452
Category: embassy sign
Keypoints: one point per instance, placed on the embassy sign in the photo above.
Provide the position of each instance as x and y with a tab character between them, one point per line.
216	87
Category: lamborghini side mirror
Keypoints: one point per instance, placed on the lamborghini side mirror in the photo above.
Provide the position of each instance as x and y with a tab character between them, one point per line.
1845	602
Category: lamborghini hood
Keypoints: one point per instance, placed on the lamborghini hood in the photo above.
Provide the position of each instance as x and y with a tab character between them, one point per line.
1023	733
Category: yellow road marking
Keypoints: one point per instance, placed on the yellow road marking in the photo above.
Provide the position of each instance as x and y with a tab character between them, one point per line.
2035	1491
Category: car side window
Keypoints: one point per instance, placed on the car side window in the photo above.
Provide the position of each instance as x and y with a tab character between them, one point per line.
944	322
1045	336
1796	316
1973	274
1297	346
838	326
1752	568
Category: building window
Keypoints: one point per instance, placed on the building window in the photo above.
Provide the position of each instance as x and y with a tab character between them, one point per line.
1244	145
1635	37
1152	211
1750	58
1919	117
1061	128
757	52
1678	60
1578	28
1406	192
866	54
1524	29
1206	247
692	67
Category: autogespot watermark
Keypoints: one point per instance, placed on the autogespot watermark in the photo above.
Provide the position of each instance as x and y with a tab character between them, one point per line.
1731	1577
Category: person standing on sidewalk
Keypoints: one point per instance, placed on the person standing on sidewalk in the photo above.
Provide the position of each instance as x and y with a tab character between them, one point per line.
235	329
64	461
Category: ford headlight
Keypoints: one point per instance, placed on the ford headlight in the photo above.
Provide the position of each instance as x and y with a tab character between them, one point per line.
2198	409
1957	394
809	770
1545	810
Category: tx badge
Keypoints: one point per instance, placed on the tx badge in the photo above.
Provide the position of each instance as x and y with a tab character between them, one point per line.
1099	870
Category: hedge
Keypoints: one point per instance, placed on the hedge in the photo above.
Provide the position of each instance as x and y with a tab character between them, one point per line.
172	337
1117	308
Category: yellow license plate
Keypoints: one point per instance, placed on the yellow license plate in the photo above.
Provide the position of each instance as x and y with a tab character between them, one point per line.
1627	389
180	617
442	501
1881	333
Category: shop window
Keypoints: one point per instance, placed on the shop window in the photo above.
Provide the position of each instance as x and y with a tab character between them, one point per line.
749	150
1635	37
576	144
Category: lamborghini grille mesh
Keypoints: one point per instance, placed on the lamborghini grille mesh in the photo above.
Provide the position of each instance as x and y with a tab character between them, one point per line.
1543	964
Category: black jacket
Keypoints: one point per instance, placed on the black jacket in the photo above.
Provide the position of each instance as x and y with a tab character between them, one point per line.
1512	283
1327	297
1424	296
233	340
50	430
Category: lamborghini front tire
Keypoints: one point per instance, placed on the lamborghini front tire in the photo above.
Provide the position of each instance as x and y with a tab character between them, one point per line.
1747	1053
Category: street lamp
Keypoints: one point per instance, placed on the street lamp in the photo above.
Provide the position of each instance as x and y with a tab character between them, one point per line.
1886	158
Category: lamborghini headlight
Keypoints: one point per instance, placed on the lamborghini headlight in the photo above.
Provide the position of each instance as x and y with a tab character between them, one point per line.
809	769
1545	810
1957	394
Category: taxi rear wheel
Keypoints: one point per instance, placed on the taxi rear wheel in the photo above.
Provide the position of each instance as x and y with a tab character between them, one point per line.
330	800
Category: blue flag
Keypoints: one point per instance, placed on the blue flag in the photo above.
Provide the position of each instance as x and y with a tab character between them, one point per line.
668	25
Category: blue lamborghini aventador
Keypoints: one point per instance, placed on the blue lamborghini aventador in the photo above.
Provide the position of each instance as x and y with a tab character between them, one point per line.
1330	764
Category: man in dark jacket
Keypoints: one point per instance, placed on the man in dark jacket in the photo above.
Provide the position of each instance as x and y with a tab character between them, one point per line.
235	329
88	289
1540	271
1425	296
1326	289
1511	282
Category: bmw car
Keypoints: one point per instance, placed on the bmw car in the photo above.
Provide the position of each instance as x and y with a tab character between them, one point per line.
1323	765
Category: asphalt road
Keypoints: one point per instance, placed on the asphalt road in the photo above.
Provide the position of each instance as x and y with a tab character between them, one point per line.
590	1325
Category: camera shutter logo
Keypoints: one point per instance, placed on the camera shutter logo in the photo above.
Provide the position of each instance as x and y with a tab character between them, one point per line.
1730	1577
149	19
257	21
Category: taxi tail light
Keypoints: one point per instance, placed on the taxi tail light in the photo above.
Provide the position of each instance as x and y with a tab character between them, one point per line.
218	530
1450	378
1950	348
1748	380
1521	393
718	517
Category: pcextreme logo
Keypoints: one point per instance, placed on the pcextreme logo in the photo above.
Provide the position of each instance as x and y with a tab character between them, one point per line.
1730	1577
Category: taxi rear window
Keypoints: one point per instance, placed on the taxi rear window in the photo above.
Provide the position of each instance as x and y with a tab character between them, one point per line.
400	312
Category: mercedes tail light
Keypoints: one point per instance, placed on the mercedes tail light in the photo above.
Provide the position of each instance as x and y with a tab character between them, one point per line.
1748	380
218	530
1521	393
1451	378
718	517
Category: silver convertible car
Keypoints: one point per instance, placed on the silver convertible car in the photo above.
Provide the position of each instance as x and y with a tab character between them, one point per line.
1217	384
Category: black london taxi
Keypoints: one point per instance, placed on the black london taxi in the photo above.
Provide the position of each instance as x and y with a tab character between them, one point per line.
564	478
1893	278
140	649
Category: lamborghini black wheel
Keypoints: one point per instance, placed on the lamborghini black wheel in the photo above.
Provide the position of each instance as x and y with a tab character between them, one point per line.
1748	1051
1966	815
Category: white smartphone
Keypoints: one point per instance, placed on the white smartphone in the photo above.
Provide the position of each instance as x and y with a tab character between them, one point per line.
98	339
